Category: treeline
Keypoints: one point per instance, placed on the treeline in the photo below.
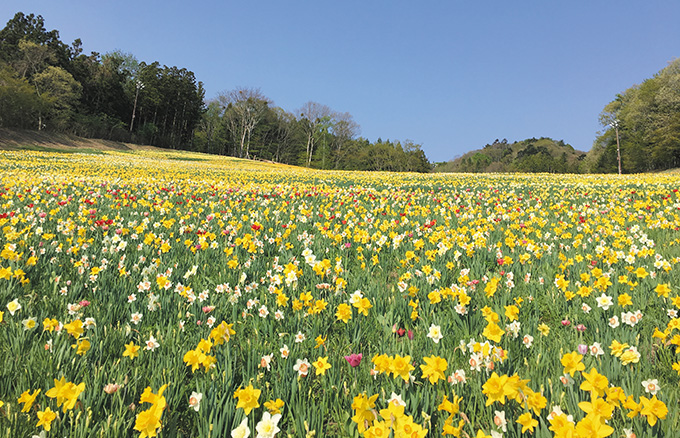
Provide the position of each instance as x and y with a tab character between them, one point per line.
531	155
647	118
46	84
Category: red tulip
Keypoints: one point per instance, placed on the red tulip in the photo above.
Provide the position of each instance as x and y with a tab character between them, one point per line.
354	359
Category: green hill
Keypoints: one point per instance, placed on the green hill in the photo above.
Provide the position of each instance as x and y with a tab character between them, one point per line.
530	155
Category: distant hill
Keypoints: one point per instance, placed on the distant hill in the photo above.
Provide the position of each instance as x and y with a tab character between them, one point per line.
530	155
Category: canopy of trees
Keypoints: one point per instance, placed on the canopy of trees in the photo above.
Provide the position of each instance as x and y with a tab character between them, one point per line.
648	119
530	155
48	85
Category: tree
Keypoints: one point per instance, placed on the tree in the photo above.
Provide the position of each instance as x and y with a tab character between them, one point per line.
19	103
244	108
648	118
313	118
59	93
344	129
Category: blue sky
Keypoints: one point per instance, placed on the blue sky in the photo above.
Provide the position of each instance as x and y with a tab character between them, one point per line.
450	75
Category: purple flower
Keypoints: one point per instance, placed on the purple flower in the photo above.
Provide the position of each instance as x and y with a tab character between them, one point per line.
582	348
354	359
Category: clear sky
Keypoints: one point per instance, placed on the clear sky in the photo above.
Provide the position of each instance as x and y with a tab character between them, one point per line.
451	75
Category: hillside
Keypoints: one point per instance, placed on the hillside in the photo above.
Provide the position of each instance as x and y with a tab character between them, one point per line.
530	155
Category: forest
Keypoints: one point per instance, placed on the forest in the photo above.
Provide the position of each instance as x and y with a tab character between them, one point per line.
646	118
48	85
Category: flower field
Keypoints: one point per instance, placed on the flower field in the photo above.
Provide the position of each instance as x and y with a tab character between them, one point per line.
184	295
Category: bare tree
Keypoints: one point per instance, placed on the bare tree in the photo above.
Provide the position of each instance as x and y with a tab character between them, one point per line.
312	116
244	109
344	129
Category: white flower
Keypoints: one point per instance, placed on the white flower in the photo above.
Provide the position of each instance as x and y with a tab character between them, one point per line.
614	321
396	399
586	308
604	301
356	297
651	386
302	367
278	315
629	433
284	351
263	312
29	323
132	298
457	377
266	360
195	400
268	425
499	420
299	337
136	318
13	307
528	341
242	431
152	343
435	333
596	349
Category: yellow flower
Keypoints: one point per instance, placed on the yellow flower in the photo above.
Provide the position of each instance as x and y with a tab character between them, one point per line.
378	429
511	312
598	408
321	365
343	312
50	324
617	348
131	350
496	388
274	406
363	407
544	329
149	421
45	418
75	328
536	401
363	305
625	300
401	367
155	399
320	341
450	406
653	409
434	368
572	363
247	398
83	346
527	422
591	426
493	332
662	290
27	399
641	272
594	382
66	393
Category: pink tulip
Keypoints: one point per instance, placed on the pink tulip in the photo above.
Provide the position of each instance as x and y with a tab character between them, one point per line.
354	359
